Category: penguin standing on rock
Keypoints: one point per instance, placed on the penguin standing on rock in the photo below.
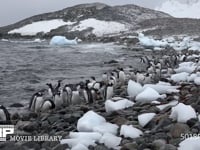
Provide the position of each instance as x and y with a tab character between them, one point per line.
108	92
66	94
122	76
4	114
50	90
58	100
36	102
47	105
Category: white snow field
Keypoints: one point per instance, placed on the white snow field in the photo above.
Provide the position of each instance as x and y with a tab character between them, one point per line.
130	131
100	27
144	119
40	26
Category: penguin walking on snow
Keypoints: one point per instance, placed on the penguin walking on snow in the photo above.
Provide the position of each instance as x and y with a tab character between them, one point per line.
4	114
36	102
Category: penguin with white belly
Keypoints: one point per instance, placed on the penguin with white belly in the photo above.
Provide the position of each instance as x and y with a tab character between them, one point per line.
47	105
4	114
58	100
36	102
66	94
122	76
108	91
50	90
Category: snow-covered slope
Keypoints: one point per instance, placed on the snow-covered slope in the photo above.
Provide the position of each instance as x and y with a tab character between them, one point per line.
40	26
181	8
100	27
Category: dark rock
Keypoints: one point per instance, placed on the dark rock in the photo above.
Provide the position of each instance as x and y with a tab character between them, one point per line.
15	116
111	62
130	146
157	144
32	145
31	126
192	122
100	147
50	145
178	129
53	118
60	147
168	147
16	105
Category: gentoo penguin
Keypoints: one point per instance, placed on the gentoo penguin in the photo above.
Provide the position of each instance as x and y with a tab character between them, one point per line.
58	100
140	77
50	90
36	102
105	78
66	94
57	88
47	105
108	93
4	114
90	83
122	76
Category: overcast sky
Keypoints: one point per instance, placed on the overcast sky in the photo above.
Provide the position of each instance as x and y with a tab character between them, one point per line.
12	11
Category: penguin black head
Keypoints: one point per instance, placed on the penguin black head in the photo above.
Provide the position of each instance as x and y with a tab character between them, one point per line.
7	114
121	69
93	78
82	85
110	84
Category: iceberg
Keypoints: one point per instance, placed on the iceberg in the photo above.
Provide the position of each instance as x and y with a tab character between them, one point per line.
62	41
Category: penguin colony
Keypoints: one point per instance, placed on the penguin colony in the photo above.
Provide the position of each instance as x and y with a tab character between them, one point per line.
89	91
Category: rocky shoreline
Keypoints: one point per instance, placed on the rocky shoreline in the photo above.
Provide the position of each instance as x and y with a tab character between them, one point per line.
161	133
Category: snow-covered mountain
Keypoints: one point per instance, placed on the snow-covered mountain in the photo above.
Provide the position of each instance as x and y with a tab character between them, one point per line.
181	8
85	20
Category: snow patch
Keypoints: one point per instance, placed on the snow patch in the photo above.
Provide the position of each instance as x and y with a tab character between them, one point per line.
100	27
40	26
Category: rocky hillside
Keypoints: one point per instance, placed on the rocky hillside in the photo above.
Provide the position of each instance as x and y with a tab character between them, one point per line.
127	15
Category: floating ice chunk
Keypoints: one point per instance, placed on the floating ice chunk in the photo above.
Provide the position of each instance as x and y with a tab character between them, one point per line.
118	105
161	88
149	95
190	144
73	142
150	42
197	80
79	147
172	103
191	77
106	128
188	69
180	77
110	140
182	113
134	88
88	121
130	131
86	135
144	119
61	41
